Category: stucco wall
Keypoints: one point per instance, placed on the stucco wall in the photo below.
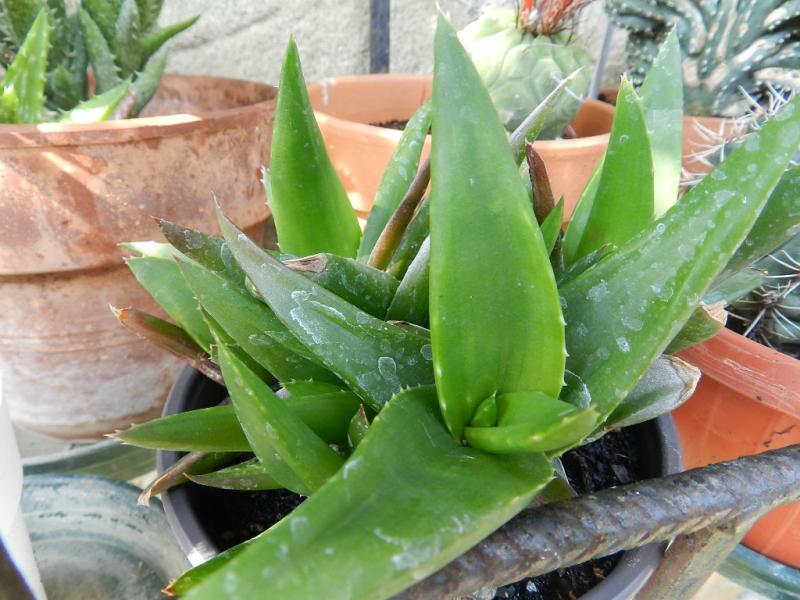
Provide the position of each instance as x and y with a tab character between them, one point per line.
246	38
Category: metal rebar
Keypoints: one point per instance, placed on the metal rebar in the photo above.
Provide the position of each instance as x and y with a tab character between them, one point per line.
566	533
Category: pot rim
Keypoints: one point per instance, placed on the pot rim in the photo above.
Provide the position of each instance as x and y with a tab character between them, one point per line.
628	577
141	128
754	370
426	82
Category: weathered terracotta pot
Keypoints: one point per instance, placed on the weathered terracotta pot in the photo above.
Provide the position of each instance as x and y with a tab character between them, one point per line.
747	402
70	194
348	108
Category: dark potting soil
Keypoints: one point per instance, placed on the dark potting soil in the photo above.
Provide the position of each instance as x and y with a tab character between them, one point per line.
234	517
397	124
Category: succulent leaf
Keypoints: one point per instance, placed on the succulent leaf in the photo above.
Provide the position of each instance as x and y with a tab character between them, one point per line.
381	358
127	35
402	532
396	178
494	330
625	186
154	40
292	453
146	83
102	59
662	99
252	326
250	475
309	205
616	327
98	108
26	73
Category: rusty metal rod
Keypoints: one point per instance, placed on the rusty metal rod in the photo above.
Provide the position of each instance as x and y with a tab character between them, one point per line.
570	532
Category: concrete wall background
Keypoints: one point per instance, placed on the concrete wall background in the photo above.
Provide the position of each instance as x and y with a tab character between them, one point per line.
246	38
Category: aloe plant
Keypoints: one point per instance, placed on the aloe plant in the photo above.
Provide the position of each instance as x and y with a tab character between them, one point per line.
48	51
414	443
522	54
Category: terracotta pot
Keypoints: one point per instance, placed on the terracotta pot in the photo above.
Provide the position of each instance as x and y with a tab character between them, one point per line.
748	401
70	194
348	108
694	139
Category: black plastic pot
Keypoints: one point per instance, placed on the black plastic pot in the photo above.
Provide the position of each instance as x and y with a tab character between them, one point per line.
658	439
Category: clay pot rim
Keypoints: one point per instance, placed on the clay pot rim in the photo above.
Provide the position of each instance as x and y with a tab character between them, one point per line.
563	145
784	360
143	128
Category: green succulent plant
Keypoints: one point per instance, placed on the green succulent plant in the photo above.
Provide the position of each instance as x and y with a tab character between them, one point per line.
413	443
522	55
728	46
47	51
764	300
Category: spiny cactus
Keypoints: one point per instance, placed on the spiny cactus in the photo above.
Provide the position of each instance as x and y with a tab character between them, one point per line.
727	46
770	314
117	38
523	55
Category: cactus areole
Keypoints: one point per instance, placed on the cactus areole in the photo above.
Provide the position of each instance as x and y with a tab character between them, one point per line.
523	55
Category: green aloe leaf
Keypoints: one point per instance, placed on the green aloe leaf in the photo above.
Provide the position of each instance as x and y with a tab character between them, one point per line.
573	234
736	286
396	178
146	83
624	311
413	237
162	279
366	287
154	40
408	501
309	205
706	322
777	223
359	425
127	35
209	251
326	409
98	108
665	386
410	303
662	98
623	205
496	322
214	429
252	326
26	73
551	226
532	422
149	11
247	476
20	15
381	358
101	57
9	103
104	13
291	452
